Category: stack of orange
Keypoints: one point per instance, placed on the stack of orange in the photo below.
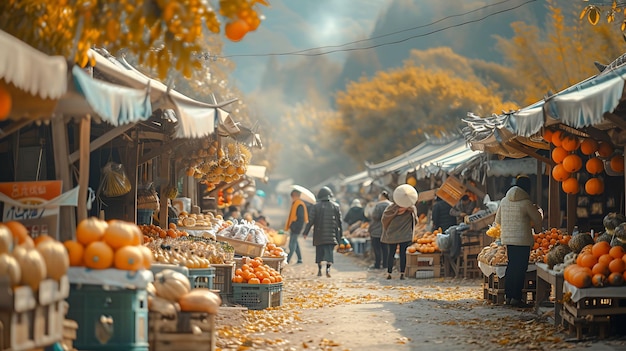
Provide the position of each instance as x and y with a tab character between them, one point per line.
151	232
271	250
254	271
427	243
114	244
546	240
597	265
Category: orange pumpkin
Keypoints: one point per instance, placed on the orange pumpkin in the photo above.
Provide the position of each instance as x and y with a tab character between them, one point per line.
128	258
604	149
6	239
581	279
6	103
557	136
19	232
90	229
617	265
559	173
148	257
598	280
547	135
570	186
558	154
75	251
617	163
98	255
42	238
236	30
616	279
588	146
594	186
121	233
572	163
616	252
600	248
570	143
594	165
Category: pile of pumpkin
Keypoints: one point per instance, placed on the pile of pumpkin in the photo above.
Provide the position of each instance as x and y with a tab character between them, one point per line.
190	252
254	271
151	232
27	261
597	265
427	243
271	250
545	241
103	244
567	152
171	292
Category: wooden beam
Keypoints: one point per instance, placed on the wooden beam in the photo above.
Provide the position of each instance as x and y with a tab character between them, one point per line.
158	152
83	169
152	135
615	119
597	134
103	139
530	152
60	148
12	128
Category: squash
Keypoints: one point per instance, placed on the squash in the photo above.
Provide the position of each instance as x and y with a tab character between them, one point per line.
163	306
76	252
150	289
120	233
98	255
128	258
148	257
9	267
32	265
56	258
19	232
6	239
171	285
90	229
200	300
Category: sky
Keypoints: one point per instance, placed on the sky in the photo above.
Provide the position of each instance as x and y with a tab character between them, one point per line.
292	25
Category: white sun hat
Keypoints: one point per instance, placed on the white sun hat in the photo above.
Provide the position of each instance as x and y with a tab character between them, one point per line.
405	195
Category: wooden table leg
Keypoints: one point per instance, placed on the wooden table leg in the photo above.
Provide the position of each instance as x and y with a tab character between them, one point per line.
558	297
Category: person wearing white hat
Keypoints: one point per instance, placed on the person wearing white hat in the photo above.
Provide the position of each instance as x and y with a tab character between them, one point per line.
399	220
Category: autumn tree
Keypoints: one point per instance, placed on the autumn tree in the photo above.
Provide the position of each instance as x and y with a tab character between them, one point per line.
392	112
560	55
162	33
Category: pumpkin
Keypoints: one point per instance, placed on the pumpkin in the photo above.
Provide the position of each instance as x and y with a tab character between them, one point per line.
41	238
171	285
19	232
90	229
557	136
594	186
56	258
615	279
32	265
570	143
150	289
148	257
6	239
559	173
547	135
588	146
120	233
163	306
10	268
128	258
200	300
572	163
598	280
617	163
76	252
604	149
558	154
620	231
570	186
594	165
98	255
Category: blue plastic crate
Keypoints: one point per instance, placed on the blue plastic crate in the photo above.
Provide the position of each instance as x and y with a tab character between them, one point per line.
258	296
202	277
127	309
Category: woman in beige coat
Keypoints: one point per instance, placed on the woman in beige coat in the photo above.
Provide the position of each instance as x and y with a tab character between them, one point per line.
517	216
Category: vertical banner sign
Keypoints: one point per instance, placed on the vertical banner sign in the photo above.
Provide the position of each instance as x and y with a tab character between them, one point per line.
37	220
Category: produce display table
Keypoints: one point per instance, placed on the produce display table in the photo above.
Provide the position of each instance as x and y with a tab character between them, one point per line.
494	281
548	282
592	309
110	277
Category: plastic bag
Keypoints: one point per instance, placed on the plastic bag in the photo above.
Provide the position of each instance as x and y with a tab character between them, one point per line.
114	181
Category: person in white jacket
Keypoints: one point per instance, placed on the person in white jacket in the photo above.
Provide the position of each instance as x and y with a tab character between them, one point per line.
517	216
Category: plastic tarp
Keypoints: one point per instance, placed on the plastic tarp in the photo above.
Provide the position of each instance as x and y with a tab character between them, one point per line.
31	70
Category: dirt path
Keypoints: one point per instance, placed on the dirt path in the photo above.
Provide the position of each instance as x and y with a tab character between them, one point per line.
358	309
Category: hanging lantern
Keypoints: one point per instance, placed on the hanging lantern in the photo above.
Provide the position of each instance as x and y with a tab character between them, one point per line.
559	173
558	154
557	137
5	104
570	143
411	181
594	186
570	186
572	163
604	149
588	146
617	163
594	165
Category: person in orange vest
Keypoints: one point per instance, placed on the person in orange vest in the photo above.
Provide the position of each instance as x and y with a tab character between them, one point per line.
298	217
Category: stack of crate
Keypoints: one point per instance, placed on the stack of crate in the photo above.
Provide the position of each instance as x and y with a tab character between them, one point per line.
187	331
420	265
494	288
593	315
223	281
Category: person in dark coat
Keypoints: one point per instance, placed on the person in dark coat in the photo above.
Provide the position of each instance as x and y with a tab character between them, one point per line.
325	218
376	231
441	215
355	214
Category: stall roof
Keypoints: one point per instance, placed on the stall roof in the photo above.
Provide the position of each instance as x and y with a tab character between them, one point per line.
357	178
445	161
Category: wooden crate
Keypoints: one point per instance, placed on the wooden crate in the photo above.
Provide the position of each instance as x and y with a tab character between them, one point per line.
243	248
451	190
69	333
419	262
176	334
30	320
582	327
494	288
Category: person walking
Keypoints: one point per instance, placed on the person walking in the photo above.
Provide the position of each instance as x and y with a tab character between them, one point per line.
325	218
298	217
398	225
517	216
376	231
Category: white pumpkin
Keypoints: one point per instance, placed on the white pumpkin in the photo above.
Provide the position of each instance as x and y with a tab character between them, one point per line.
56	257
32	265
10	268
6	239
171	285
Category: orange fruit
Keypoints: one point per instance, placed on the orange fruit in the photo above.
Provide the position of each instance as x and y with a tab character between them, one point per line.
600	248
601	268
616	252
617	266
75	250
606	259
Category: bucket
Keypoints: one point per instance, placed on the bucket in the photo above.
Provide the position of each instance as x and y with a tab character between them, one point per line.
144	216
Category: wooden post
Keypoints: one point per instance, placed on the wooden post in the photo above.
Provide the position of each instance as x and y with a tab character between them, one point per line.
539	199
165	174
83	170
571	212
554	203
132	164
67	218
